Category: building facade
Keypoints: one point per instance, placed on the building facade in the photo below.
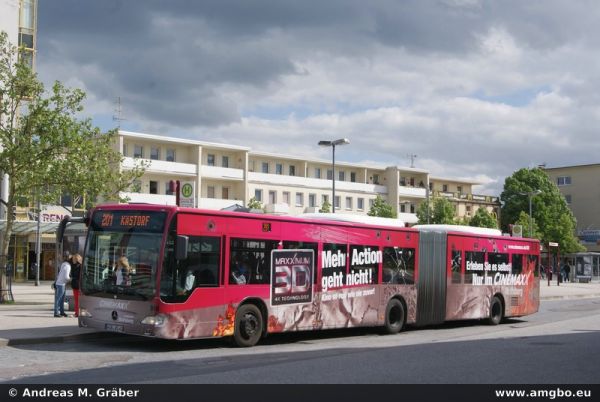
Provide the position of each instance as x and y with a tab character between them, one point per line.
224	175
18	18
580	185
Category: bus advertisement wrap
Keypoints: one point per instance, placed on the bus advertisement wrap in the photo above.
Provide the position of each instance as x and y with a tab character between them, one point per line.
292	276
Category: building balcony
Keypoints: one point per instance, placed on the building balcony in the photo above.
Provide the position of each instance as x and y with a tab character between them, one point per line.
221	173
159	199
163	167
317	184
414	192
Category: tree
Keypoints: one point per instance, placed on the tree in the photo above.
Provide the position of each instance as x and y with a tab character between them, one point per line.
483	219
553	220
325	208
441	211
46	150
382	209
254	204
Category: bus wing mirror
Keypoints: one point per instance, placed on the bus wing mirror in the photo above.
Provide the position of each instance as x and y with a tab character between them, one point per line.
181	247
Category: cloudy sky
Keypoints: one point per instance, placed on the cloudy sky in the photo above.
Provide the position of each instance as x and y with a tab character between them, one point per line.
475	89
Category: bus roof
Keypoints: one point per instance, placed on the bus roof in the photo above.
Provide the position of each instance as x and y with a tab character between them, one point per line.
458	228
367	220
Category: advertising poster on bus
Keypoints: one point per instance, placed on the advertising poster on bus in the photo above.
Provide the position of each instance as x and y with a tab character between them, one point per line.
291	276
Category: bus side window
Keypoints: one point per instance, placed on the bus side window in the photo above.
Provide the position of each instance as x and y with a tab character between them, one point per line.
398	265
250	261
474	261
456	265
305	246
517	264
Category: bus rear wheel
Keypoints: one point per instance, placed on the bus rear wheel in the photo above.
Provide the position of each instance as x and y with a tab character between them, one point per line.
394	317
248	325
496	311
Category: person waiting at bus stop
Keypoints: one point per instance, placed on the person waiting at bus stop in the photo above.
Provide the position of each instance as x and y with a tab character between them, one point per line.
63	277
75	274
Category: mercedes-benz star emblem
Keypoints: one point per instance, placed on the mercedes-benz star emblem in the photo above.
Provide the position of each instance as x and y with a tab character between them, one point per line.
114	315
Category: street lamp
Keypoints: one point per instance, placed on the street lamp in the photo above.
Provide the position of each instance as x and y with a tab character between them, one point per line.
530	194
332	144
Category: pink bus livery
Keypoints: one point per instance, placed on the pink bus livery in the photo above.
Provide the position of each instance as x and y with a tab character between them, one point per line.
199	273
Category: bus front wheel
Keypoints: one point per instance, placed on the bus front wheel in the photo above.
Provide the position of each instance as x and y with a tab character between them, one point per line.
394	317
496	311
248	325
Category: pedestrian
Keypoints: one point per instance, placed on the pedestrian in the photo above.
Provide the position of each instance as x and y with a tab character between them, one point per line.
75	276
567	272
63	277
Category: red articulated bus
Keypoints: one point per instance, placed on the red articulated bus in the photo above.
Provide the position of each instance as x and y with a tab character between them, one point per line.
182	273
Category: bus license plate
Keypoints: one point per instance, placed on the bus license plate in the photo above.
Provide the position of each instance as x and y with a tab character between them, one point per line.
113	327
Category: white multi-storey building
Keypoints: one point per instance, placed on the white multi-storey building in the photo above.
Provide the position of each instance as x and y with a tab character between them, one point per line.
225	175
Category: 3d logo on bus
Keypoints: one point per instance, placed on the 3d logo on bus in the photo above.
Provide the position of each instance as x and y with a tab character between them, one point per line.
292	273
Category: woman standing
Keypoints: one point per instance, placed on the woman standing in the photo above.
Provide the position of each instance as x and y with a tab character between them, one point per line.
63	277
75	273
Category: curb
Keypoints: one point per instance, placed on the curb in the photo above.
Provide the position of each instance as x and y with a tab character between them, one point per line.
56	339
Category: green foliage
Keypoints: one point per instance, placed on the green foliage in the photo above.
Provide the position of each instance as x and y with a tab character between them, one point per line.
483	219
382	209
325	208
254	204
553	220
45	149
440	211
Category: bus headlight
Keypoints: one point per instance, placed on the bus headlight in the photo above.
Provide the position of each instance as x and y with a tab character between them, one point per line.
84	313
155	320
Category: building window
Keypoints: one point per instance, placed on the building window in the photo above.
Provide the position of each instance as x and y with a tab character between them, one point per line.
312	200
170	155
412	208
225	193
210	192
210	160
348	202
278	168
299	199
341	176
568	198
444	187
292	170
402	207
272	197
168	189
265	167
258	195
375	179
154	153
225	161
125	150
329	174
371	202
353	177
138	151
459	189
563	180
360	204
153	187
337	202
317	173
286	197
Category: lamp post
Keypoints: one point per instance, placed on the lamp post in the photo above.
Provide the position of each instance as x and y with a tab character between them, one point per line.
332	144
530	194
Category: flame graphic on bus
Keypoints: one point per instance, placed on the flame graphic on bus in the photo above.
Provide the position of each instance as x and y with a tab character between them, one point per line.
223	328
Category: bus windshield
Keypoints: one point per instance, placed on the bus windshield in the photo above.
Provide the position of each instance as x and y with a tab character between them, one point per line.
122	254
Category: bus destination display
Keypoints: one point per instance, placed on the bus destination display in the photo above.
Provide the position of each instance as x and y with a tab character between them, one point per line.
142	221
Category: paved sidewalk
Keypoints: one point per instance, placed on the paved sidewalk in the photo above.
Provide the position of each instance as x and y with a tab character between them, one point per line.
31	318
